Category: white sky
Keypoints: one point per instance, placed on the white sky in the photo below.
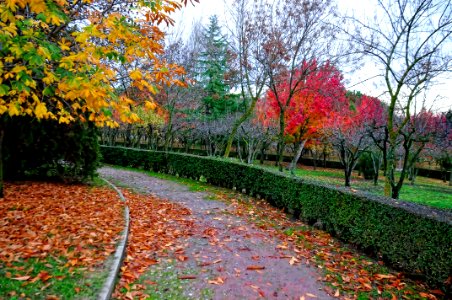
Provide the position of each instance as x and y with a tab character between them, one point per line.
439	98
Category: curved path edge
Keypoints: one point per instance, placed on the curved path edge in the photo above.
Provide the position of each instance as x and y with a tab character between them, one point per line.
110	282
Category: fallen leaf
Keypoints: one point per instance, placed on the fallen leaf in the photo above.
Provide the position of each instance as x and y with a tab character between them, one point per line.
384	276
22	278
293	260
217	281
437	292
182	258
187	277
255	267
284	247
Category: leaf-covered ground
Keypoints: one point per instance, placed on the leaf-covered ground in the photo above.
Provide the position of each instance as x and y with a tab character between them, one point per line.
244	241
155	228
200	243
55	239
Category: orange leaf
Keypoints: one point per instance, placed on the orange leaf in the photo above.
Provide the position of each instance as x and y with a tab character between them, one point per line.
384	276
217	281
255	267
182	258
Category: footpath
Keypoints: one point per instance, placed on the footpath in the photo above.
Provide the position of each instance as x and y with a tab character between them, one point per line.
223	255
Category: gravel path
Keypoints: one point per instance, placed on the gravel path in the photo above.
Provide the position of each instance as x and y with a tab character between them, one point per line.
232	258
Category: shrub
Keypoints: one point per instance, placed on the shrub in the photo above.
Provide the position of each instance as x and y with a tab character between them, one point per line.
46	149
408	236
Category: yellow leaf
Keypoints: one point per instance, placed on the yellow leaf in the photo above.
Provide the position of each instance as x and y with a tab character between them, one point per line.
136	75
150	105
18	69
38	6
12	110
11	4
65	120
64	45
41	110
3	109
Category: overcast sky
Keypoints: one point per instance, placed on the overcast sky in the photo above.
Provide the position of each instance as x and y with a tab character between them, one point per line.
442	93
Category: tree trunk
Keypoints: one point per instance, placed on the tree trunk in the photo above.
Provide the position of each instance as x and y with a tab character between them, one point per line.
262	153
385	151
395	192
168	133
237	124
390	166
298	151
347	176
281	140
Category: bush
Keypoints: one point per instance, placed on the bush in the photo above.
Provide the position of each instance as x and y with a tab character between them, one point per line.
411	237
366	166
46	149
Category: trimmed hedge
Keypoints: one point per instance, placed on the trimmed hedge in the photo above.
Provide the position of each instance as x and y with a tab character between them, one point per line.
414	238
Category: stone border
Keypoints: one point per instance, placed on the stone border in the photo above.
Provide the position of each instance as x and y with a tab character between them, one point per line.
109	285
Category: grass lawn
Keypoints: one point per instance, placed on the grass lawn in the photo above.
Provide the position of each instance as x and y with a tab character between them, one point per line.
427	191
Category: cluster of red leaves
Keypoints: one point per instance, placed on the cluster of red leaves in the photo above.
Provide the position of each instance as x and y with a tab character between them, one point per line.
155	226
75	222
347	272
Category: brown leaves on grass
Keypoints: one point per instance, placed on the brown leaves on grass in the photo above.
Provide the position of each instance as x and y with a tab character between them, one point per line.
154	229
40	219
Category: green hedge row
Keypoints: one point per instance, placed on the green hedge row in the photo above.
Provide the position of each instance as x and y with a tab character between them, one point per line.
411	237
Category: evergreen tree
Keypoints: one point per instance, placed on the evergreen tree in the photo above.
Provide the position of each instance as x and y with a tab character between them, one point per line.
213	67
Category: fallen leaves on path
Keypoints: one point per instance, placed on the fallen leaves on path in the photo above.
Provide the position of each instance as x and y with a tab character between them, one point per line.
76	222
155	226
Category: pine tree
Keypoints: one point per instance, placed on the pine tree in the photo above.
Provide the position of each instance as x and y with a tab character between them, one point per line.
213	68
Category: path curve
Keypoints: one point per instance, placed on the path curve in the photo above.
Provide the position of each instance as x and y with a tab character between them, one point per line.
226	249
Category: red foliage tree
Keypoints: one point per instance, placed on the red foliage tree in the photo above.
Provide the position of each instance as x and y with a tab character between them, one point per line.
348	130
313	101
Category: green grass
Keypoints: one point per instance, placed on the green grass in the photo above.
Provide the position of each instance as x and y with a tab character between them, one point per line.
426	191
64	282
97	182
162	282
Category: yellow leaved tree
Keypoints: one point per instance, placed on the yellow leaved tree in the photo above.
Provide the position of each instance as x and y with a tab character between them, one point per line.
59	59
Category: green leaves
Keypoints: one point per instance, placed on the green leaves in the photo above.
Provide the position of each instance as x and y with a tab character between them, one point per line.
3	89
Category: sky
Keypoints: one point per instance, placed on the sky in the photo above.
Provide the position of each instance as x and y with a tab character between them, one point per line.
439	98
